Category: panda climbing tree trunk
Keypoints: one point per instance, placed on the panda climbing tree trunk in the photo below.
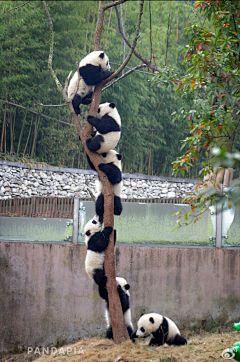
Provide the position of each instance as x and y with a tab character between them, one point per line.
119	329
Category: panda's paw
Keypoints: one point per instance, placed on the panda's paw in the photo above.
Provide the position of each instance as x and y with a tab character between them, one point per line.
107	230
101	166
89	118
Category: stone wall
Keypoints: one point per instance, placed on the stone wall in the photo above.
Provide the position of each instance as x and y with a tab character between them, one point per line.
19	180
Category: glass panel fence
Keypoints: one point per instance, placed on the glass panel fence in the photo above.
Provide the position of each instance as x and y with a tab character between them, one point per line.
231	225
35	229
153	223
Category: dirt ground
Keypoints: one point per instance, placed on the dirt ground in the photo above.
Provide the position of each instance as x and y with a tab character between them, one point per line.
204	347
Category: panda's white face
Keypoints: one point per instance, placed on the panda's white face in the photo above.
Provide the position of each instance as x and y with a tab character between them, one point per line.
93	226
111	110
96	58
113	156
147	324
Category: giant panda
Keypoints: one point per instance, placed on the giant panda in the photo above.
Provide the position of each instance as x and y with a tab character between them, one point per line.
163	329
113	169
124	295
96	241
94	68
108	128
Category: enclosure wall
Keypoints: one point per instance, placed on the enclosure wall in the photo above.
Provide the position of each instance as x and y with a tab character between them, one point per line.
46	298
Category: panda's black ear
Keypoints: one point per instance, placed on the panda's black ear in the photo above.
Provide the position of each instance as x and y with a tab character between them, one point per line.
151	320
112	105
104	154
119	156
101	55
88	233
127	286
141	315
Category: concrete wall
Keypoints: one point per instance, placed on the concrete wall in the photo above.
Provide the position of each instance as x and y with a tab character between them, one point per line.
46	297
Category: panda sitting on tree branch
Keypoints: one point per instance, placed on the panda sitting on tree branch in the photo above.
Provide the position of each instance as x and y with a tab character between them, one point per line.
119	329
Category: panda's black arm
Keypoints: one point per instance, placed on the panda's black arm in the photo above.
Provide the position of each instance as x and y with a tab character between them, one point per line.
124	298
113	173
104	125
99	241
93	74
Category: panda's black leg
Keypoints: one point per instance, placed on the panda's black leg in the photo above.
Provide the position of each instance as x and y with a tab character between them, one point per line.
117	205
153	342
130	331
99	207
87	99
113	173
103	293
100	278
77	100
178	340
94	144
109	333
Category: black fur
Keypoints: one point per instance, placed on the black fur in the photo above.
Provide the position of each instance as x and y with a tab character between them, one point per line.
124	299
113	173
99	206
98	243
93	74
77	100
105	124
91	165
160	336
87	99
94	144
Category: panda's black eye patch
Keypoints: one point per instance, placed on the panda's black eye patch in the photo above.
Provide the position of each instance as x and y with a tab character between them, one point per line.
107	63
94	221
142	330
98	110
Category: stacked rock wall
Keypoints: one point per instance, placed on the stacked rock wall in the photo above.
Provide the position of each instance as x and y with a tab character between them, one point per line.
19	180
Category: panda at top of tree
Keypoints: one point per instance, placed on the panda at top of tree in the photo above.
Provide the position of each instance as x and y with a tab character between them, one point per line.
124	295
97	242
108	128
94	68
113	169
163	330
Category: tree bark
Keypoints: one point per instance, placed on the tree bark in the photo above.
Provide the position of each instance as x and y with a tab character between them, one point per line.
119	329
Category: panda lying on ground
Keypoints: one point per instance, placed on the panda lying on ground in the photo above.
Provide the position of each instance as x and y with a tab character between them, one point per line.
113	169
94	68
163	329
96	241
108	128
124	295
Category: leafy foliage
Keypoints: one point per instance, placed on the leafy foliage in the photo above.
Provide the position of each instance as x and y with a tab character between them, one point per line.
145	109
211	94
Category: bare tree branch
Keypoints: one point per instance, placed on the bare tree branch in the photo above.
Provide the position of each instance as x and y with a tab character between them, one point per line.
114	3
40	114
150	26
132	47
124	43
15	8
139	56
126	74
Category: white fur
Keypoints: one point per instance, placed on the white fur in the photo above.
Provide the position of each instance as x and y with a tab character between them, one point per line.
111	157
127	315
94	59
93	260
110	139
152	327
82	90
